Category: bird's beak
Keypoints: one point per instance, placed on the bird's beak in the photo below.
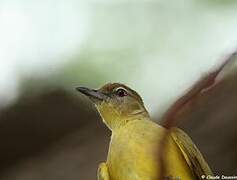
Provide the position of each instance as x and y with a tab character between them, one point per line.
93	94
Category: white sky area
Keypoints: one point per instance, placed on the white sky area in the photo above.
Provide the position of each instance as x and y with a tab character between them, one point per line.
175	42
36	37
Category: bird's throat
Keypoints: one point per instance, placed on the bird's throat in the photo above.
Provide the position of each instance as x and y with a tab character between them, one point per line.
115	119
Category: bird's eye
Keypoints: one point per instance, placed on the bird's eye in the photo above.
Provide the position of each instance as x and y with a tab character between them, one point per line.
121	92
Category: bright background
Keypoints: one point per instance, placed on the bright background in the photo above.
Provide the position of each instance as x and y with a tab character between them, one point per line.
157	47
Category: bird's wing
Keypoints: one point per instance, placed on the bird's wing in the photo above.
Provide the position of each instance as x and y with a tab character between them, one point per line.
190	152
205	83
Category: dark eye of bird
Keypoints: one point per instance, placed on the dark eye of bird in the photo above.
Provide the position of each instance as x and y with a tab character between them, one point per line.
121	92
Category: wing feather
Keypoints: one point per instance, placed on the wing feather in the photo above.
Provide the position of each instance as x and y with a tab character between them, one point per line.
191	154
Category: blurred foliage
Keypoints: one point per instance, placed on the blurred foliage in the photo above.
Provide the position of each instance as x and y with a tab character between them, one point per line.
218	2
95	67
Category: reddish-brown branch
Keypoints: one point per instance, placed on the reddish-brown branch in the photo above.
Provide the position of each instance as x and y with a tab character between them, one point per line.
203	85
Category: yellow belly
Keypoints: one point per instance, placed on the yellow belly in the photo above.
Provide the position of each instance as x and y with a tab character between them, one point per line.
134	151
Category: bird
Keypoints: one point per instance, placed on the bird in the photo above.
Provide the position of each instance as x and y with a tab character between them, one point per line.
136	140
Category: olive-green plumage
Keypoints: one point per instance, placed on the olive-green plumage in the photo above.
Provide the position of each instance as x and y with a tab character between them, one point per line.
135	141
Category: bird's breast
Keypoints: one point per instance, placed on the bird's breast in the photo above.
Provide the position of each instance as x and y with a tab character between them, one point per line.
134	152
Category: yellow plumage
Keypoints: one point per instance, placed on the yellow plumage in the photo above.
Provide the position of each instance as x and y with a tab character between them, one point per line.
136	140
134	149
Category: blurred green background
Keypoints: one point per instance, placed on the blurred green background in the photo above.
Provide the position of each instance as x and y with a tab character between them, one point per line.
158	47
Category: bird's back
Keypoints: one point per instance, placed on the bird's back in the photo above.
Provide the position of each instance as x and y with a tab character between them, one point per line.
134	153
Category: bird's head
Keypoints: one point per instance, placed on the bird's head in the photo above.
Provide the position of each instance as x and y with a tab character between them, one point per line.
116	103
